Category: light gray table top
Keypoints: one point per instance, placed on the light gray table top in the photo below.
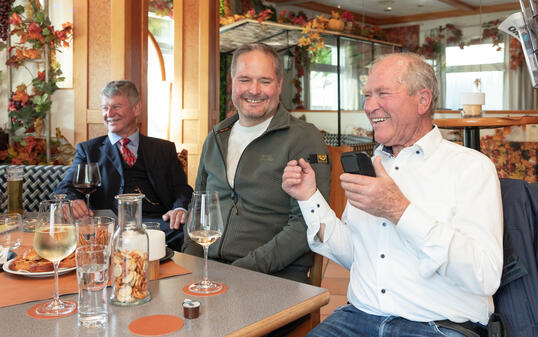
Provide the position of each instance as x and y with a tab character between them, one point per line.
253	305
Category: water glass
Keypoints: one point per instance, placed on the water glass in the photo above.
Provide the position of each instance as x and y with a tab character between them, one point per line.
10	230
92	276
30	221
96	231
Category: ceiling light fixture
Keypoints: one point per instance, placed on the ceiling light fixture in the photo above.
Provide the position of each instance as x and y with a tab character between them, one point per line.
388	9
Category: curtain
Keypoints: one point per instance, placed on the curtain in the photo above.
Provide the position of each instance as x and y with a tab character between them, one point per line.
520	95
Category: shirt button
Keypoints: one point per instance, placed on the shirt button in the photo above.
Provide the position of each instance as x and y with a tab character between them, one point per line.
312	211
383	291
418	152
384	224
318	205
382	256
396	168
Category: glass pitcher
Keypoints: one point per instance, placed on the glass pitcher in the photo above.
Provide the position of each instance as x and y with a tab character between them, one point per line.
130	254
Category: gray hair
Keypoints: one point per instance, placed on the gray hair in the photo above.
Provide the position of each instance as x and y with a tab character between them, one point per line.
119	88
261	47
418	75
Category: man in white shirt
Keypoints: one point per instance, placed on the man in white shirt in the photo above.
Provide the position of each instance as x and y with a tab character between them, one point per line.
422	239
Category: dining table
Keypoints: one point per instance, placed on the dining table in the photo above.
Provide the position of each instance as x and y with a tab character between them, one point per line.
253	305
471	126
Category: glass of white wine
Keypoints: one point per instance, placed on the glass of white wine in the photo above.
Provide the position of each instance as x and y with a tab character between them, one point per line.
205	226
55	238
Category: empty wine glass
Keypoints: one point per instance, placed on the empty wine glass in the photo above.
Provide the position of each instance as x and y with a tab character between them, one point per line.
87	179
204	226
55	238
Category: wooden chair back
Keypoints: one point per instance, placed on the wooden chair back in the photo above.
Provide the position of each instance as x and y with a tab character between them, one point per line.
337	199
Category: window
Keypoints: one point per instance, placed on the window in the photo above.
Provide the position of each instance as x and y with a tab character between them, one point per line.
323	80
465	66
159	89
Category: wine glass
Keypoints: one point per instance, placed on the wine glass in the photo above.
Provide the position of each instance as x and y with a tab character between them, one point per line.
204	226
55	238
87	179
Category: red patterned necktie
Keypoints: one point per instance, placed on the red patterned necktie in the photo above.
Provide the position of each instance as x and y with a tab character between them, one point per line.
127	155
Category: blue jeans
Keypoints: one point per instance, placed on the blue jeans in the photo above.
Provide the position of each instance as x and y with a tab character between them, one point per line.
174	237
350	321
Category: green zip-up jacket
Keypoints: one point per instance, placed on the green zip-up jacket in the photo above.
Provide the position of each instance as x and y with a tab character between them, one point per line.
263	226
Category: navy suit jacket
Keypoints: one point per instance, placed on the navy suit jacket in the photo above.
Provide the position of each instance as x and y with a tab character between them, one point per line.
163	168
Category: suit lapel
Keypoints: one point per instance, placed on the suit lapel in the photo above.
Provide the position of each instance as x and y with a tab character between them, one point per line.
112	155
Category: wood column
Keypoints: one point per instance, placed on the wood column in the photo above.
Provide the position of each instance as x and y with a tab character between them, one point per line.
110	43
196	71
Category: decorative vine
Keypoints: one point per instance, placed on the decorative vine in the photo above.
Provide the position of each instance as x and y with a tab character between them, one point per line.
433	45
34	30
301	57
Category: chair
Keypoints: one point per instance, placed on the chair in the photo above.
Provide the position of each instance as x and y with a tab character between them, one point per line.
310	321
183	157
337	199
517	297
38	184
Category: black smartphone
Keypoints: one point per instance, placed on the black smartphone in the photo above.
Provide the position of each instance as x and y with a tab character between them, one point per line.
357	162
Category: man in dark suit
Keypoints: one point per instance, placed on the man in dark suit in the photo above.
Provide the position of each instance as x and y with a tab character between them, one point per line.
130	162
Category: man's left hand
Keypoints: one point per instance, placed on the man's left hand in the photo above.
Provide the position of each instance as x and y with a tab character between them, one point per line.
177	217
378	196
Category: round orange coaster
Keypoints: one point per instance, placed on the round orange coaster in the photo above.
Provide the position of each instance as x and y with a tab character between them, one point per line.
188	292
155	325
31	313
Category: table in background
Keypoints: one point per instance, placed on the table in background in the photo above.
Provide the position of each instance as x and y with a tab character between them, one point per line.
253	305
471	126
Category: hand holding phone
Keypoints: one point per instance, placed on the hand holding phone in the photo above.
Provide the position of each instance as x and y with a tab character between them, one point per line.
357	162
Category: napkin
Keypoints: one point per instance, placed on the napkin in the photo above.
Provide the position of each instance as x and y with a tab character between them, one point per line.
4	252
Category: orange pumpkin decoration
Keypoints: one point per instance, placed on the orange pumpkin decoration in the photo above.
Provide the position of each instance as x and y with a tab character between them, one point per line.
335	23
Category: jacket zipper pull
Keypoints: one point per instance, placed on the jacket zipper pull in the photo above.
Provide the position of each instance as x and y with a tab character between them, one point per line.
234	199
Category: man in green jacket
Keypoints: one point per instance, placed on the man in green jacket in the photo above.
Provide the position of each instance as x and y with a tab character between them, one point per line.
243	159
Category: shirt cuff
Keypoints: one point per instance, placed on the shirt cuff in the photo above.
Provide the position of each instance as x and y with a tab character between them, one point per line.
315	211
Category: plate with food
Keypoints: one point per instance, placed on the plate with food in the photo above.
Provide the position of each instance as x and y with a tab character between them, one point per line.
30	264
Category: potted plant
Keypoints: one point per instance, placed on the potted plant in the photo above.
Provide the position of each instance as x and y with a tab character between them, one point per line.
34	43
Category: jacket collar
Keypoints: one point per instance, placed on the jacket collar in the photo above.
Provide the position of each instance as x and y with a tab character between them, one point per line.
281	120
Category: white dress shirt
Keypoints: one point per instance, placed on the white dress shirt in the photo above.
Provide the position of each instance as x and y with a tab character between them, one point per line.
443	259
